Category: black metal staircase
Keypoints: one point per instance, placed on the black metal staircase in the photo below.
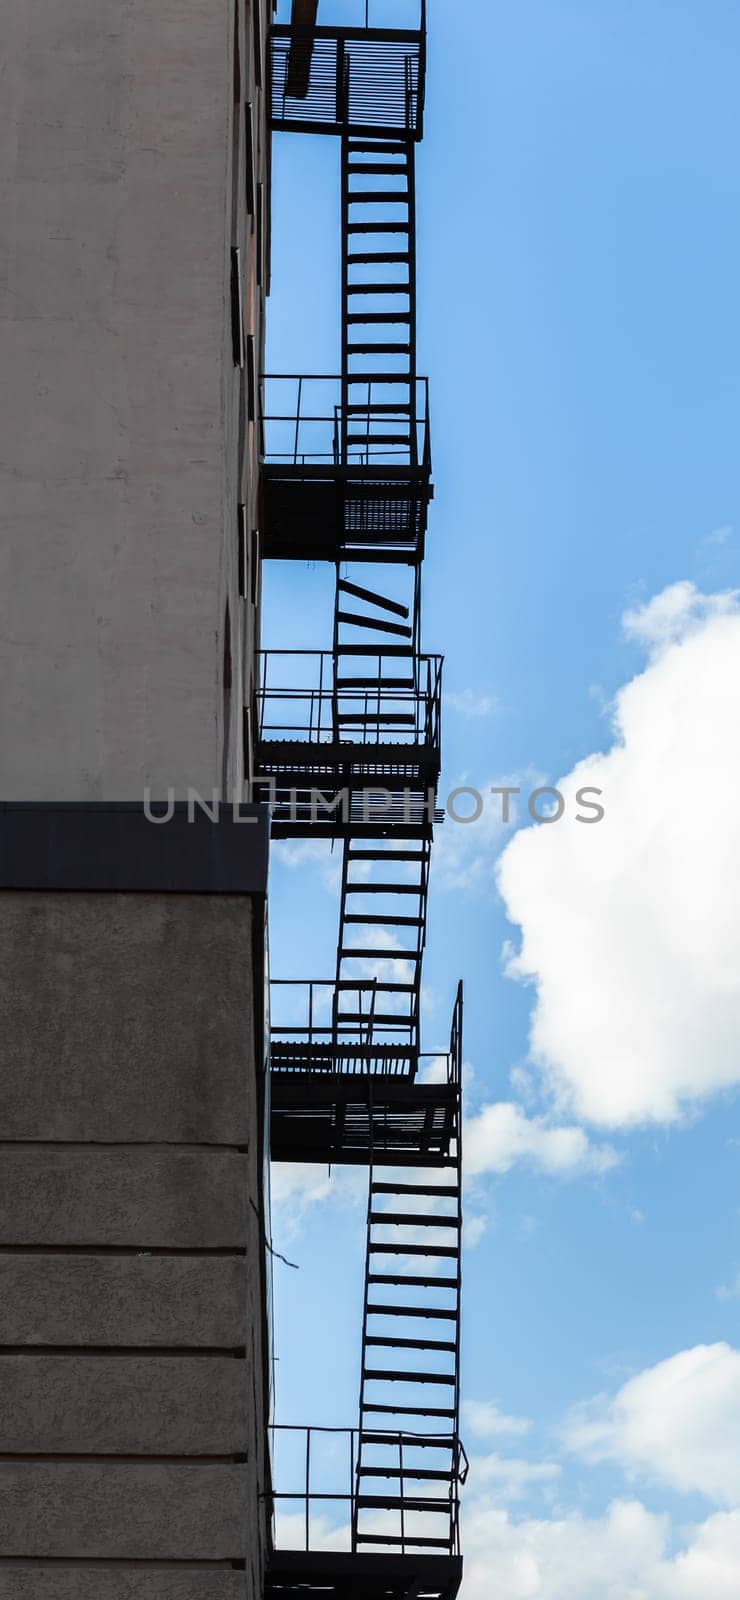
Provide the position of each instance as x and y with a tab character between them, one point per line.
378	298
350	476
348	748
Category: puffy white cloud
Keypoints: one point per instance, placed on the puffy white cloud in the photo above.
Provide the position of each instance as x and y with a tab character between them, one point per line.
674	612
630	927
624	1555
501	1135
465	851
677	1423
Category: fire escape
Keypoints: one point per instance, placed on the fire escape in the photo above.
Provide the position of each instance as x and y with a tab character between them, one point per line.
348	748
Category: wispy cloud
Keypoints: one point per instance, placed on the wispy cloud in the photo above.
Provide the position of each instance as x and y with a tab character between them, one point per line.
484	1419
719	536
471	703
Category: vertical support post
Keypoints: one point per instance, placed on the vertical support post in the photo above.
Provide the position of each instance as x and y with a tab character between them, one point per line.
308	1489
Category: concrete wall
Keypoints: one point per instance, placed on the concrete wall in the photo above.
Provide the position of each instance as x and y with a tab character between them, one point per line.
132	1309
125	448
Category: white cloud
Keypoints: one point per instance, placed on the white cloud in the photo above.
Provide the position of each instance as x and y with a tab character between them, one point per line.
501	1135
484	1419
469	703
319	853
719	535
676	1423
465	852
673	613
630	927
623	1555
474	1228
299	1187
730	1291
513	1477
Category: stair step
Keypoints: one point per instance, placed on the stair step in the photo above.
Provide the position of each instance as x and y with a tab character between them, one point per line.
386	855
411	1311
380	954
387	888
385	988
378	227
382	719
401	652
408	1539
379	438
390	1375
430	1441
410	1344
449	1252
403	1280
380	1019
378	197
378	288
376	920
376	350
376	1502
360	408
388	257
361	317
414	1219
356	619
423	1474
408	1411
382	601
450	1192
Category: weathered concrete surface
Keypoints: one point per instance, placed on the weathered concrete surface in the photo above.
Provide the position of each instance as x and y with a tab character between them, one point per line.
118	476
122	1300
125	1017
147	1512
156	1198
128	1405
99	1583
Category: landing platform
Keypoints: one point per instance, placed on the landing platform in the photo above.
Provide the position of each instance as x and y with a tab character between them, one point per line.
295	1575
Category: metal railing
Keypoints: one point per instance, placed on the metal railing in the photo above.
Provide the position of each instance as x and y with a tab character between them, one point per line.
305	424
359	75
308	1029
319	1489
308	708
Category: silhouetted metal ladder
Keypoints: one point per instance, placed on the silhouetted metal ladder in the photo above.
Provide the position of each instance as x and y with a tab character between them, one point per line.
382	933
376	651
378	409
409	1460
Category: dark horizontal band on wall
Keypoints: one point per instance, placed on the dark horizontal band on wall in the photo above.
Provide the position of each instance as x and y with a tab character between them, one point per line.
118	848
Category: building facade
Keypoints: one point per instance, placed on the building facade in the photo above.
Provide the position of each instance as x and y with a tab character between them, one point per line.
134	170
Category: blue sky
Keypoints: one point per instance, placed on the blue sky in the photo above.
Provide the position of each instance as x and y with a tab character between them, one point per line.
579	256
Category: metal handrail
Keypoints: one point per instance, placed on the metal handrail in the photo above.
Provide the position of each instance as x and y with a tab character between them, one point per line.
328	422
363	989
375	714
347	1494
